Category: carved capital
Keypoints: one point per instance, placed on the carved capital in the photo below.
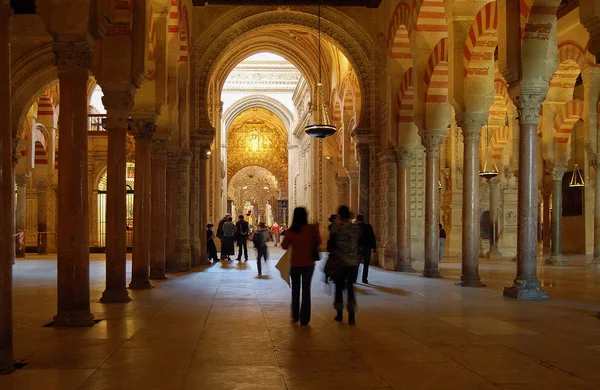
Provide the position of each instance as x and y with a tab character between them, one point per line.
43	184
361	136
432	141
387	156
494	182
172	160
22	179
404	157
203	152
185	159
530	107
118	100
205	136
343	183
471	124
353	177
558	171
143	130
70	56
159	148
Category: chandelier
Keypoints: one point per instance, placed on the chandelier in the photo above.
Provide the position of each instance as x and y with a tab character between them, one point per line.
576	177
321	127
490	170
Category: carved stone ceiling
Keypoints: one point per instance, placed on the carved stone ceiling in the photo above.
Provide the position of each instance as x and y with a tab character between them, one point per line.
257	137
253	184
267	74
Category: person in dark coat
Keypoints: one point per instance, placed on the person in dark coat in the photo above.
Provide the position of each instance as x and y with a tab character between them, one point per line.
242	231
211	248
220	231
367	243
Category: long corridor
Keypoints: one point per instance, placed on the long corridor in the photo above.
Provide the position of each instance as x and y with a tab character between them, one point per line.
222	327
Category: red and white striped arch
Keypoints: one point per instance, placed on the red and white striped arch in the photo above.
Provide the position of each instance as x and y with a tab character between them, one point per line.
571	61
501	99
45	109
481	41
406	109
431	15
173	21
498	142
566	117
336	106
436	74
151	55
184	35
399	31
525	10
40	145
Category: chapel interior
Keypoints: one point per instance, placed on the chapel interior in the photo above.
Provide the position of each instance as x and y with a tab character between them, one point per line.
126	126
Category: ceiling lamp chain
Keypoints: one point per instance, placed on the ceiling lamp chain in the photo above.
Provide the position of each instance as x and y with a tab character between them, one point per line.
576	177
490	169
321	127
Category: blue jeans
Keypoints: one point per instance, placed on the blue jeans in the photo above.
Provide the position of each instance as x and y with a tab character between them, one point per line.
442	249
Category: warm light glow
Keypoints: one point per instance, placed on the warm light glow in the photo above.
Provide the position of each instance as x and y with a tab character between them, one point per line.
208	153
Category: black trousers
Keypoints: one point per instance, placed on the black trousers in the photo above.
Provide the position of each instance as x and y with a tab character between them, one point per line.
346	278
301	278
243	244
365	256
262	253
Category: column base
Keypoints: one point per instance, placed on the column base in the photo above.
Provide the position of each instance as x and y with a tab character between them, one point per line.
556	260
432	273
143	284
71	319
526	290
183	260
493	253
121	296
404	267
196	259
203	260
470	282
157	275
595	264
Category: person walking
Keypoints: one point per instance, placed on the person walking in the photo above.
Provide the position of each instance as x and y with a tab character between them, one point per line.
260	243
275	229
344	238
442	241
304	240
220	231
242	231
227	247
367	243
211	248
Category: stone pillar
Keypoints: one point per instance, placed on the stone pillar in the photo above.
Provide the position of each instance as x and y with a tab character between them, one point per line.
203	186
353	181
405	156
556	258
140	261
183	255
364	173
171	215
432	141
73	63
384	216
158	209
343	190
526	285
494	184
44	189
596	261
21	179
546	222
117	106
471	129
195	187
7	225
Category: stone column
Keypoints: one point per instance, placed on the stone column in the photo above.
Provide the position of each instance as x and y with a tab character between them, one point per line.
364	173
171	215
405	156
203	200
343	193
556	258
158	210
44	188
73	63
471	129
7	225
117	106
353	181
432	140
596	261
195	187
494	183
21	179
140	261
526	285
183	255
546	222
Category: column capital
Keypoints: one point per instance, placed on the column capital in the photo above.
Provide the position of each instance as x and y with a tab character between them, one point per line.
159	147
387	156
118	99
361	136
71	56
172	159
404	157
143	130
204	137
342	182
529	106
203	151
22	179
353	176
471	124
43	184
494	182
432	140
185	158
558	171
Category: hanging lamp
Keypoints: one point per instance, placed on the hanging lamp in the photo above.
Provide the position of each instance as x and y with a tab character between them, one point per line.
490	169
439	184
321	127
576	177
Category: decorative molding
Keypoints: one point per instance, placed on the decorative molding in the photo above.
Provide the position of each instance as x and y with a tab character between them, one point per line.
143	130
404	157
72	55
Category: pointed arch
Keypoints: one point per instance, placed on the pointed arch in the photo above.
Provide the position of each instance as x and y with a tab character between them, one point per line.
436	74
498	142
571	61
406	110
482	40
399	31
430	15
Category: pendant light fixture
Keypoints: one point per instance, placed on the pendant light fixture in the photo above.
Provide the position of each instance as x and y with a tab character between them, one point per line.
576	177
490	170
321	127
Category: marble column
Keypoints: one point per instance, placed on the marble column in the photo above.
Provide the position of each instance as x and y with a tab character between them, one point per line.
364	173
405	157
73	63
471	128
595	264
432	140
171	215
546	222
143	130
494	184
183	255
343	190
195	220
203	186
21	179
44	189
556	257
353	181
7	225
526	285
158	209
117	106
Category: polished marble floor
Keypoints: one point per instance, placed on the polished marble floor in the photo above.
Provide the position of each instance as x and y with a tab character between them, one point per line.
222	327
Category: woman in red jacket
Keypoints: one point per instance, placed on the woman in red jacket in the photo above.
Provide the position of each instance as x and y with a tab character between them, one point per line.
304	240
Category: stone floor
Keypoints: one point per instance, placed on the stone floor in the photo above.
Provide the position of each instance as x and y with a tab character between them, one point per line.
222	327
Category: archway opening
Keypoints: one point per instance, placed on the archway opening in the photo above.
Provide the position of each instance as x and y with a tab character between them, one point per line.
102	187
